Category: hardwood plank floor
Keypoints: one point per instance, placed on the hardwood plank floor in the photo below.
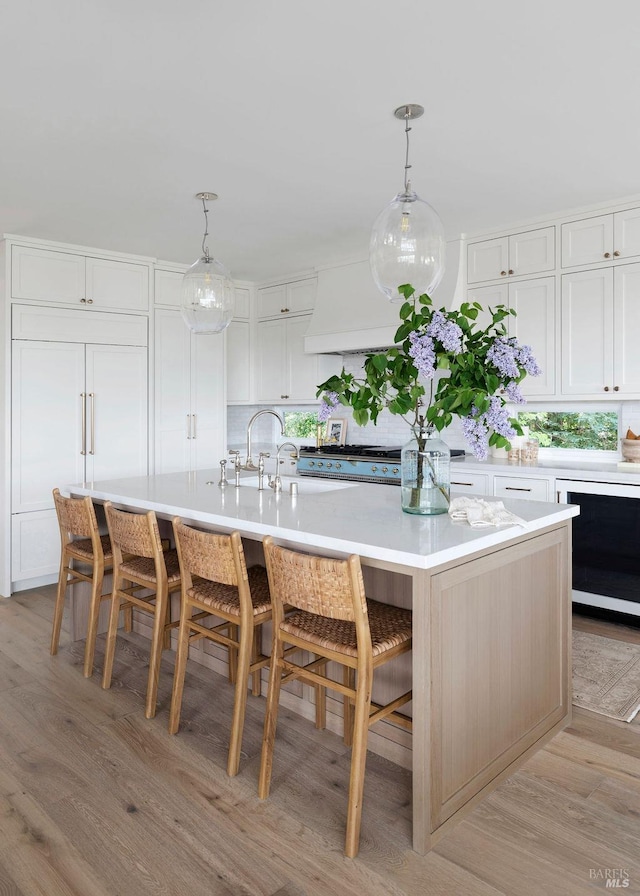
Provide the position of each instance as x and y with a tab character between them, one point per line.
96	800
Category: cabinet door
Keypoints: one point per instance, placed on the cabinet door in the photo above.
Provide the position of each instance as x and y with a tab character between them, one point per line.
271	361
46	432
35	547
626	233
167	288
172	392
587	241
116	385
487	260
626	327
587	333
272	301
302	368
488	297
243	304
117	285
462	481
238	362
522	487
533	252
301	295
208	431
535	325
45	276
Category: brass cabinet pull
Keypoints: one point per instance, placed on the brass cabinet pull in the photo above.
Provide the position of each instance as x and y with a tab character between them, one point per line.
470	484
188	426
195	435
616	254
503	273
83	449
283	310
284	396
510	271
616	388
514	488
607	254
89	301
606	388
83	300
93	424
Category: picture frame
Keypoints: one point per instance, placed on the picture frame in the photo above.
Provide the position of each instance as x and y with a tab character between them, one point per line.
336	431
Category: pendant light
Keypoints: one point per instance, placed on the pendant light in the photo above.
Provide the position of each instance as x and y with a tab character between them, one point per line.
407	241
208	294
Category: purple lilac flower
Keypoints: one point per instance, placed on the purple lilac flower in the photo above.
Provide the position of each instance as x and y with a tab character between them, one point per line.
497	418
446	331
423	354
476	434
514	394
502	355
524	357
329	402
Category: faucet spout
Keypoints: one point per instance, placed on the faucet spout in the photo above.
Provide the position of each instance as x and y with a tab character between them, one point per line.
249	464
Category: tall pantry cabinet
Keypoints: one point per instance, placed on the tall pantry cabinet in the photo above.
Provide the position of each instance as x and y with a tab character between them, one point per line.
74	388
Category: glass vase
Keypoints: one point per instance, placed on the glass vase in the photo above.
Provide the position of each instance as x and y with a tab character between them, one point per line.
426	476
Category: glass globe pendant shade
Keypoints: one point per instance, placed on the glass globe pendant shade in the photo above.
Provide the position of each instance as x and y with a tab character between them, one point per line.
407	246
208	296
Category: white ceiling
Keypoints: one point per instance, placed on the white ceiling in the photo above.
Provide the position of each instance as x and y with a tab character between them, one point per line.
114	113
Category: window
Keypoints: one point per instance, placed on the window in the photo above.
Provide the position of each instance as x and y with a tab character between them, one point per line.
574	430
300	424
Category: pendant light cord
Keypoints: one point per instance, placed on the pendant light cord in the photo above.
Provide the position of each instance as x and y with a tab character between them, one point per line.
407	166
205	250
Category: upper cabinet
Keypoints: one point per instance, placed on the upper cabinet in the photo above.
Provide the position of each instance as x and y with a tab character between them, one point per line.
64	278
287	298
520	254
601	238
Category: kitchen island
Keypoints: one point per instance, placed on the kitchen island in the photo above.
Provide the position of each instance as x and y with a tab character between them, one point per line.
491	659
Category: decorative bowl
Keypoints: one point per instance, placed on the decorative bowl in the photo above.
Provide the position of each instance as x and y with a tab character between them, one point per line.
631	450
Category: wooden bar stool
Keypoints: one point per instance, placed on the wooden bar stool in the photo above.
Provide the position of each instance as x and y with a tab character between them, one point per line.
80	542
334	621
217	584
145	567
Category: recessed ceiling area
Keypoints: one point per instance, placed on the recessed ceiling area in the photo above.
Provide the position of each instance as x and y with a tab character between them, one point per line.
114	115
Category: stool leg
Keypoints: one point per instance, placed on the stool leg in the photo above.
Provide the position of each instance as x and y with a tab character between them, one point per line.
358	762
270	720
240	697
92	628
182	654
110	646
256	677
232	631
321	701
156	653
58	609
349	680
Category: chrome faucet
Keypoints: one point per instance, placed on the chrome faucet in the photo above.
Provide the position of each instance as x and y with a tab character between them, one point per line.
249	464
276	482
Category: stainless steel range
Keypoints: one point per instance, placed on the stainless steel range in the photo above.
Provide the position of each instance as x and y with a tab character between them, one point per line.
365	463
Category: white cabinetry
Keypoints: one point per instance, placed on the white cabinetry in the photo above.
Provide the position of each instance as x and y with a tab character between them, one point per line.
79	412
601	238
535	324
600	322
465	481
529	487
239	342
287	298
521	254
284	371
189	395
65	278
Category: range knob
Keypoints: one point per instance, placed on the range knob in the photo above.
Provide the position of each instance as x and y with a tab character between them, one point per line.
329	465
338	465
374	469
312	463
320	464
395	471
385	469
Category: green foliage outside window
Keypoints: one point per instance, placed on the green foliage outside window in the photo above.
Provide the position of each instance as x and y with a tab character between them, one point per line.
300	424
555	429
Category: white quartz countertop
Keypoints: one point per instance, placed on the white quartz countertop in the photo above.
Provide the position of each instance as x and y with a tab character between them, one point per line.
588	471
339	518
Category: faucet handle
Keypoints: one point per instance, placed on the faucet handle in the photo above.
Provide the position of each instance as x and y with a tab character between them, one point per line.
236	457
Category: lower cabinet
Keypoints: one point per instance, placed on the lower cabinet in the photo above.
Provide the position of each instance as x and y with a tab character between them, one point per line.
531	488
464	481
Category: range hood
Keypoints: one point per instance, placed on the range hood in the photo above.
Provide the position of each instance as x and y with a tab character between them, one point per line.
351	315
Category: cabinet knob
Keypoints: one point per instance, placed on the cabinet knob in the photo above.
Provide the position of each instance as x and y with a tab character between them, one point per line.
616	388
89	301
616	254
607	254
503	273
283	310
606	388
83	301
510	271
284	396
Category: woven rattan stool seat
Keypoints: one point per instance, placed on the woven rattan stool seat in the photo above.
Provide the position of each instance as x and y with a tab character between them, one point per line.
216	585
80	540
389	626
143	568
330	618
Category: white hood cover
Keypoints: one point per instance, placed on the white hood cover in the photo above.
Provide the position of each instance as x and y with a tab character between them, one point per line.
351	315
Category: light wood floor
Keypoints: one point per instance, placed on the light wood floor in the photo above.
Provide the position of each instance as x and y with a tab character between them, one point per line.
95	800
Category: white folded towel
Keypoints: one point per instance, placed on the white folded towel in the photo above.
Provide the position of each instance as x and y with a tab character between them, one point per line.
481	514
